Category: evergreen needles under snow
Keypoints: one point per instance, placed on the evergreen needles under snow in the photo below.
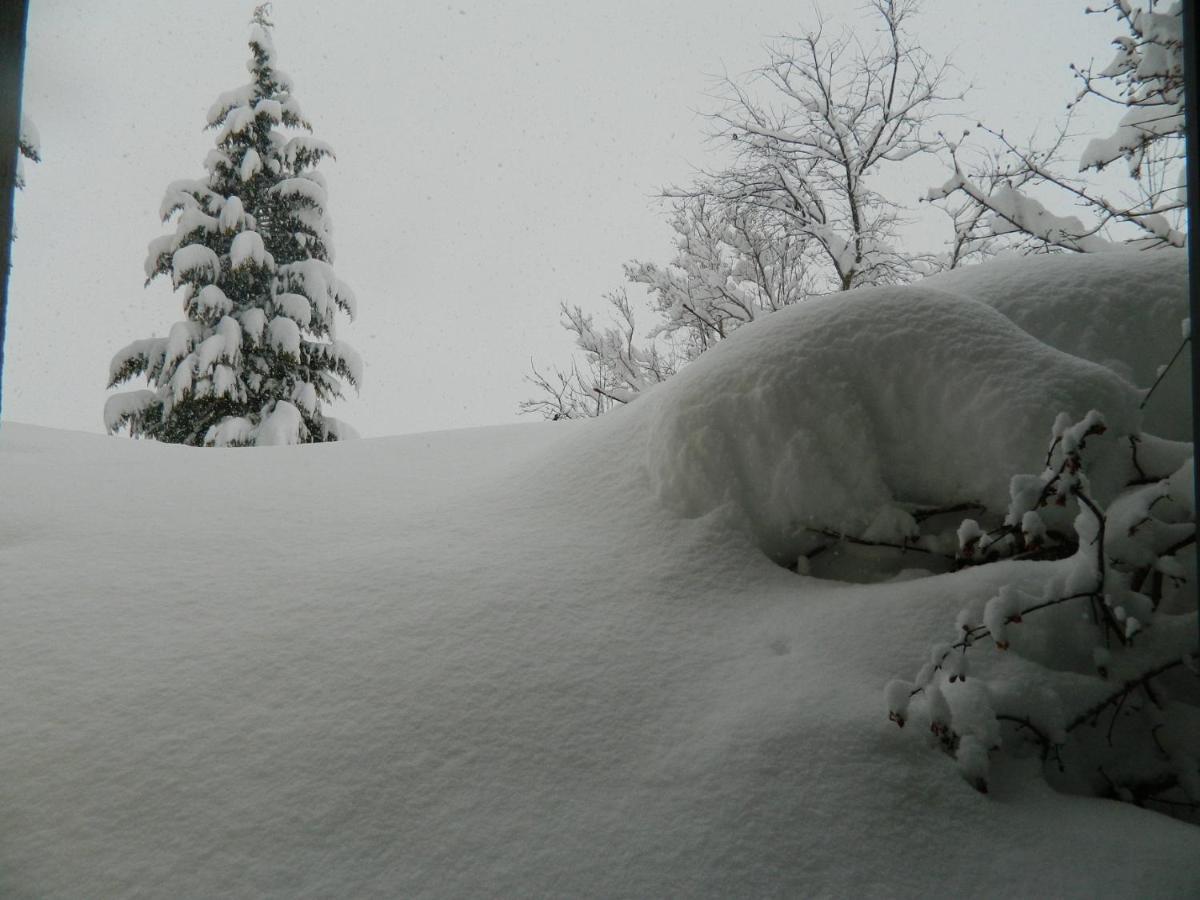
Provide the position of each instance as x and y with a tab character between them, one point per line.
257	357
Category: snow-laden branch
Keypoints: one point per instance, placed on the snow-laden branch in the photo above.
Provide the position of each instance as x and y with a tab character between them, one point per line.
1145	79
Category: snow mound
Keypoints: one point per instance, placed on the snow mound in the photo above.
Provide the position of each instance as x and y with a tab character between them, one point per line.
1121	309
830	412
493	663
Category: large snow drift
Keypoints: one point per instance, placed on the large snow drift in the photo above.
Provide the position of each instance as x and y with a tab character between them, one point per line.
830	411
1122	309
538	660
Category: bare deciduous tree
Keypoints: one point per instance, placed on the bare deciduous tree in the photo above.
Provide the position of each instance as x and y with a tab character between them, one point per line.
732	263
796	211
838	113
615	367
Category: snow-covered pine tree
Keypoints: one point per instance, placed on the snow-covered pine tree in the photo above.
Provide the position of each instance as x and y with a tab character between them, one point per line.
257	355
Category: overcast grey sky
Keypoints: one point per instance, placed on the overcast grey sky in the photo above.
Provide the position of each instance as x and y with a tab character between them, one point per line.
494	159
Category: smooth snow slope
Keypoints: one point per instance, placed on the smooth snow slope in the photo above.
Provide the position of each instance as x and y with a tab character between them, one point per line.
500	662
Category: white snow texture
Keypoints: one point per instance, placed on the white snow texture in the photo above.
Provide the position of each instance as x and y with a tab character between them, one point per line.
550	660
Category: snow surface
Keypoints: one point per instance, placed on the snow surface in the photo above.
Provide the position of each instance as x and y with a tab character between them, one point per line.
1083	305
537	660
827	412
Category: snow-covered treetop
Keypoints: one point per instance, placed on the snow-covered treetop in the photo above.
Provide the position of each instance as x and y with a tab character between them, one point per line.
258	175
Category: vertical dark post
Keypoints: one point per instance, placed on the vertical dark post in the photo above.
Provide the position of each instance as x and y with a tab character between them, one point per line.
1192	110
13	14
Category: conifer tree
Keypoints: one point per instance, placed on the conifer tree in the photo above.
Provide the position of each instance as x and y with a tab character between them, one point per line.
257	355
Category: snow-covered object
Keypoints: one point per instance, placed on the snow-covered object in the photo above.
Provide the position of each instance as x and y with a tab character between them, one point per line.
1001	611
304	188
296	307
180	340
972	760
121	406
1019	213
1119	309
181	194
232	431
282	425
1033	528
147	353
251	165
193	219
304	396
316	280
284	335
210	350
233	215
227	101
969	535
29	139
304	150
1123	575
1149	60
195	263
255	337
29	145
892	525
344	359
236	122
253	322
940	714
746	427
262	42
211	300
270	108
897	694
248	247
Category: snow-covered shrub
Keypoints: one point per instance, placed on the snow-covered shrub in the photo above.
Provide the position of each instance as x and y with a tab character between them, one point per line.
257	357
1087	654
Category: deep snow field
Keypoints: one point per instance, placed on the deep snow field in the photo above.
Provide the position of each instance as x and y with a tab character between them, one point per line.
564	659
